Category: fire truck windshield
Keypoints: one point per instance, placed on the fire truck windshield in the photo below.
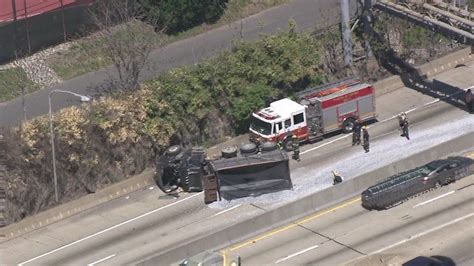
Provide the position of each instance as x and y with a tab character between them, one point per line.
260	126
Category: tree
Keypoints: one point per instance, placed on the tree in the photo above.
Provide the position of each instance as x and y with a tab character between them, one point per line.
127	41
175	16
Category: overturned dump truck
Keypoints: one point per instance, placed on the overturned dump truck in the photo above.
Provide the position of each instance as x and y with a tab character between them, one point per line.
249	171
180	168
252	173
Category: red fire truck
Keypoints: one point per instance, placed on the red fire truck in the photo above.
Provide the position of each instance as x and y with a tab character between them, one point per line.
318	111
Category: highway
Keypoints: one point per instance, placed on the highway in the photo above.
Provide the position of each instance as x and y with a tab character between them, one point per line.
437	223
147	223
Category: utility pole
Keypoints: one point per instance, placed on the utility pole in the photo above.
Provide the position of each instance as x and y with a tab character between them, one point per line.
51	132
346	32
367	19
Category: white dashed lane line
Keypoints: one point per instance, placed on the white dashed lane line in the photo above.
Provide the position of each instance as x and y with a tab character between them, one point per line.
296	254
433	199
101	260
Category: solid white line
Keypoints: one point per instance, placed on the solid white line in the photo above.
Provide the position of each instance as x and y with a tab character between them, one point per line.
296	254
108	229
101	260
325	144
433	199
422	233
224	211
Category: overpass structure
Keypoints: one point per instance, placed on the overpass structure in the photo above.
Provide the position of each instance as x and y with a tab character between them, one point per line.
452	20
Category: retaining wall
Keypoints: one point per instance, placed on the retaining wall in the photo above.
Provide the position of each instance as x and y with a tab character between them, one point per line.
307	205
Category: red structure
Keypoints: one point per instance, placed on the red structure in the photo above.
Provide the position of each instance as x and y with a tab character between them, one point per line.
33	7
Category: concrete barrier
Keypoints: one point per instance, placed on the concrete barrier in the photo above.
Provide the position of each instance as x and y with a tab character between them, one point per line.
446	62
387	85
277	217
76	206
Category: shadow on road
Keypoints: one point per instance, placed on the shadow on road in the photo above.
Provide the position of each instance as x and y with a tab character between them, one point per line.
413	79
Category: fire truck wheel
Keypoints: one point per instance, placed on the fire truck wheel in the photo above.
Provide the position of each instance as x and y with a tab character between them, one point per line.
288	144
173	150
348	125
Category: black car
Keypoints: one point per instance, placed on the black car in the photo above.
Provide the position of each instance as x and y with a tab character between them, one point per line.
401	186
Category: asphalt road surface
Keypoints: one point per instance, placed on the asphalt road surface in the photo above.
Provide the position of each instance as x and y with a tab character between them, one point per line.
437	223
308	14
147	223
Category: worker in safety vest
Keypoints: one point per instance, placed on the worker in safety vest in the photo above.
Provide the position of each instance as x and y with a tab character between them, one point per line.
296	147
337	178
403	123
365	138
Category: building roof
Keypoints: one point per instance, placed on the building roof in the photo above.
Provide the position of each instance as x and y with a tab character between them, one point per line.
33	7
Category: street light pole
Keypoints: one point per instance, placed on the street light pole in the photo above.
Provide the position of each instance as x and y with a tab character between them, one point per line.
51	131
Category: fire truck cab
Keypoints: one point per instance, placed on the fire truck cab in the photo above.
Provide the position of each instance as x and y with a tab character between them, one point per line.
281	120
328	108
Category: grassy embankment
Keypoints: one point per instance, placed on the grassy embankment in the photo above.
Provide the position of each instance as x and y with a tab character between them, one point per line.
117	137
87	55
14	82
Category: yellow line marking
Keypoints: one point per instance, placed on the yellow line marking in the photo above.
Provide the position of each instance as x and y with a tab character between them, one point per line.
304	220
224	258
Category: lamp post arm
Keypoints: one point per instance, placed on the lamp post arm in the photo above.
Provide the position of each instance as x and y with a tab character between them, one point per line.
51	131
84	98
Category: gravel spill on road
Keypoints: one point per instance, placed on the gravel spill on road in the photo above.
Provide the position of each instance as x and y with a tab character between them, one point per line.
383	151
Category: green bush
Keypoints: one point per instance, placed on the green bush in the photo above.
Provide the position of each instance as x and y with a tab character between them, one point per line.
115	137
232	85
179	15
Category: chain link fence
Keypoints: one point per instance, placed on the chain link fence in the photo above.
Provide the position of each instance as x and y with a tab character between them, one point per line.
22	37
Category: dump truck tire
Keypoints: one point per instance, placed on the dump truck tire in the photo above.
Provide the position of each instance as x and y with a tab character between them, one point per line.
268	146
248	148
173	150
229	152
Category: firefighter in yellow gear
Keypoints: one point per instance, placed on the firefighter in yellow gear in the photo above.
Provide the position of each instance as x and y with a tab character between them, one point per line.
365	139
295	143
